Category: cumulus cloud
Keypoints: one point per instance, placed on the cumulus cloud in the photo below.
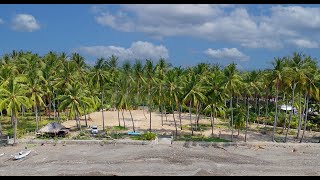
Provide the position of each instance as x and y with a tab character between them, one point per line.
25	22
1	21
277	27
304	43
137	50
226	54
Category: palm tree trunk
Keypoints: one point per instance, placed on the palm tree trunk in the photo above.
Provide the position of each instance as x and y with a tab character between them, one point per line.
291	113
54	109
190	117
247	119
132	121
305	118
78	119
118	117
285	117
258	111
195	120
212	118
85	115
231	118
174	120
150	117
300	116
12	119
49	107
225	105
179	109
58	112
124	122
165	114
266	115
102	110
275	115
37	122
0	122
161	115
198	117
238	131
15	128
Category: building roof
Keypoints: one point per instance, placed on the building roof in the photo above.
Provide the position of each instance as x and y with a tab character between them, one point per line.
52	127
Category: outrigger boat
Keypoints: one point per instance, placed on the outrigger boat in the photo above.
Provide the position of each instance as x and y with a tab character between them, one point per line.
21	154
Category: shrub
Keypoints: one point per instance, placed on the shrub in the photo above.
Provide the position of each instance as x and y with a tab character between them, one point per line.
149	136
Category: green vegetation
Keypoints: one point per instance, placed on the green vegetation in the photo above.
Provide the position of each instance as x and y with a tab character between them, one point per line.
58	86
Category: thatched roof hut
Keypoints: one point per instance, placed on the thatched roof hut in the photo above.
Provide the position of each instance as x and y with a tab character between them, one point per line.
52	128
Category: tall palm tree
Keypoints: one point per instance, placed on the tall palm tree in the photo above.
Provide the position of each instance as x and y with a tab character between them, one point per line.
149	70
232	83
98	78
276	76
311	88
296	72
13	96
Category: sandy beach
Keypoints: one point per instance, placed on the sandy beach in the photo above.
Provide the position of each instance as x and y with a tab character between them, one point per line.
142	123
165	160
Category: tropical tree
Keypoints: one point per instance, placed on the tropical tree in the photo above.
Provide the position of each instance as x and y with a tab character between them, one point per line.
98	78
12	97
231	83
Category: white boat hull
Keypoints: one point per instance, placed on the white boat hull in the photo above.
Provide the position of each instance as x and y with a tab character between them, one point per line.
21	155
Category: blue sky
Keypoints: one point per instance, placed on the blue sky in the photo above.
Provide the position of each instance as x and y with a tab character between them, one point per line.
250	35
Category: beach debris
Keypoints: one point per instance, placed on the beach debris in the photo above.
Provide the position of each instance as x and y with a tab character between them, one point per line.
294	150
259	147
1	154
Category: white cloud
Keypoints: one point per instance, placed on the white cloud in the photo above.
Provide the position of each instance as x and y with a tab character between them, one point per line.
279	26
25	22
227	54
304	43
1	21
137	50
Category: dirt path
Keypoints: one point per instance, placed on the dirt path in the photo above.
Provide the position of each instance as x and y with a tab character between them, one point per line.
123	160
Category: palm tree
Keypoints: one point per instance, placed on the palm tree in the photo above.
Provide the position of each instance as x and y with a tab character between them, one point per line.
149	81
276	76
13	96
215	103
232	82
98	78
74	99
311	88
296	74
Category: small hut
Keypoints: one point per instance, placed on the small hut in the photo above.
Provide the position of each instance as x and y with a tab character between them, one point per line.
54	129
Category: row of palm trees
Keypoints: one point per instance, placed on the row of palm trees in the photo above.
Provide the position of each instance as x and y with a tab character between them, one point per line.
29	82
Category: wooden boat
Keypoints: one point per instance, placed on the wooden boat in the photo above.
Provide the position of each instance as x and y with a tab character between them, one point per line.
21	154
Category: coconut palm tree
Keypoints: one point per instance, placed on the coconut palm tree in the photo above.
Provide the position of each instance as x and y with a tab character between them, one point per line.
13	96
296	74
149	71
98	78
231	83
74	99
276	76
311	88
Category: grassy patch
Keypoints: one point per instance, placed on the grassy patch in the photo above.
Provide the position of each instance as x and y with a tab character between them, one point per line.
201	127
146	136
200	138
26	124
119	128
